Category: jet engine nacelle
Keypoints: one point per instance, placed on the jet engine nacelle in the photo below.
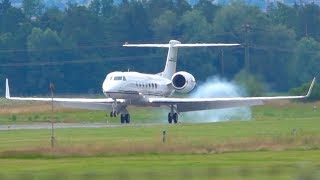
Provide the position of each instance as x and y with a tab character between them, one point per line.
183	82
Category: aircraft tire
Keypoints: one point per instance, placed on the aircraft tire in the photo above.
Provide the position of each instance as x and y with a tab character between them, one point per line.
122	118
169	118
175	118
127	118
111	114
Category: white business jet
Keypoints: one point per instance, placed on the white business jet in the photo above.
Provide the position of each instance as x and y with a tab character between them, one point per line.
124	89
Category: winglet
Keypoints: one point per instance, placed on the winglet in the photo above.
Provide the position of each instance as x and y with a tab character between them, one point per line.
311	87
7	89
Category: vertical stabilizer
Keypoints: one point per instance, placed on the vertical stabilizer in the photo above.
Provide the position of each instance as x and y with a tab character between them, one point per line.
171	62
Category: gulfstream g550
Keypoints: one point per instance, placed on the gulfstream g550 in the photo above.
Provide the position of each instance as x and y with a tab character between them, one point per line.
124	89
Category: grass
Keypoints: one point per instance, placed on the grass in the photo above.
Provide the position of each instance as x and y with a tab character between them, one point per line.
282	141
261	165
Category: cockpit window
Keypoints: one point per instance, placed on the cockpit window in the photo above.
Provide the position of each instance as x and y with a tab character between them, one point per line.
124	78
117	78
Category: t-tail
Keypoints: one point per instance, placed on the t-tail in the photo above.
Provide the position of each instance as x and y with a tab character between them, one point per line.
171	62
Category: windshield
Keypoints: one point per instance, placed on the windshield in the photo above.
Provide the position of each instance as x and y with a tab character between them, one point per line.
117	78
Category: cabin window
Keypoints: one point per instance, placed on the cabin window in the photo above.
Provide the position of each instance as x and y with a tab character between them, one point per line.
156	86
152	85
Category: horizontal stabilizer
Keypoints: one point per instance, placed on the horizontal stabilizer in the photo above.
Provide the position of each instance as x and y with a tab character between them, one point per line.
205	45
181	45
147	45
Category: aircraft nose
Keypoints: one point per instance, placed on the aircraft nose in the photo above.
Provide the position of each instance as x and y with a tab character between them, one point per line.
108	88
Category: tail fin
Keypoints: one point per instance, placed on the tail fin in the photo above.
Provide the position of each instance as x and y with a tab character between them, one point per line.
171	63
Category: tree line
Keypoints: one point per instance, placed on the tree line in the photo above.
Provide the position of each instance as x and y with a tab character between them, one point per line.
77	46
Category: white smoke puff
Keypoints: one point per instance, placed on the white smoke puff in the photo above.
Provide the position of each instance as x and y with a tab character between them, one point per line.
214	88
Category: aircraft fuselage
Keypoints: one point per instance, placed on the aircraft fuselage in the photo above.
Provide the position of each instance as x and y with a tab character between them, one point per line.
134	85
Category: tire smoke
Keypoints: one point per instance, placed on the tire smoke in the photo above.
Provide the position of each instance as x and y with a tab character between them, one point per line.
217	87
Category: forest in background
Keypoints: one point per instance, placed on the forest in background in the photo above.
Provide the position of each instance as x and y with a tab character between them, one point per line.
77	46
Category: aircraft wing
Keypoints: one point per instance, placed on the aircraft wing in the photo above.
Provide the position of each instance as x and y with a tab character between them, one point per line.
82	103
196	104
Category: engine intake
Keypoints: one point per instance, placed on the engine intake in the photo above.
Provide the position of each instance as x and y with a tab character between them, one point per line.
183	82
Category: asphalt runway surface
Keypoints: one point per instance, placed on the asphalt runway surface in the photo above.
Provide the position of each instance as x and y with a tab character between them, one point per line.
70	125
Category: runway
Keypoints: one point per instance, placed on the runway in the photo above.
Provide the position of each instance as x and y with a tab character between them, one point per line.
70	125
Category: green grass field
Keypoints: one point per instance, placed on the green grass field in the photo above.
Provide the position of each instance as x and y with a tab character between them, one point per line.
281	141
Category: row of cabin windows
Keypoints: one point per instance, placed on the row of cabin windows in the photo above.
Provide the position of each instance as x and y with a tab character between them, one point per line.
149	85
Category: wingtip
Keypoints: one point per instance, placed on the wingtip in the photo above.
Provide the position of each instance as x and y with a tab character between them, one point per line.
311	87
7	89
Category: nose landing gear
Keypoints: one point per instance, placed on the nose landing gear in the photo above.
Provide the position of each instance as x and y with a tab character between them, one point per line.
113	114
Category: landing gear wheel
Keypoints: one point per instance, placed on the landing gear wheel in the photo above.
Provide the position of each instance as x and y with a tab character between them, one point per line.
127	118
122	118
114	114
175	118
111	114
169	118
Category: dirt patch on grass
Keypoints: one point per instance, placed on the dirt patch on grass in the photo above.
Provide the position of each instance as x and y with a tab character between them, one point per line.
250	144
29	108
284	103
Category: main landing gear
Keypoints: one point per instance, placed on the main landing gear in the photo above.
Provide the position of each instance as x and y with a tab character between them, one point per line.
124	118
173	118
172	115
120	108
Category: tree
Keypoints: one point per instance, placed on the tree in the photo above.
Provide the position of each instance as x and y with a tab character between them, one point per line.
107	8
165	25
262	53
284	14
10	17
131	23
194	27
308	20
267	55
42	46
181	6
207	8
5	5
254	85
32	8
52	18
95	6
306	61
298	91
155	8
